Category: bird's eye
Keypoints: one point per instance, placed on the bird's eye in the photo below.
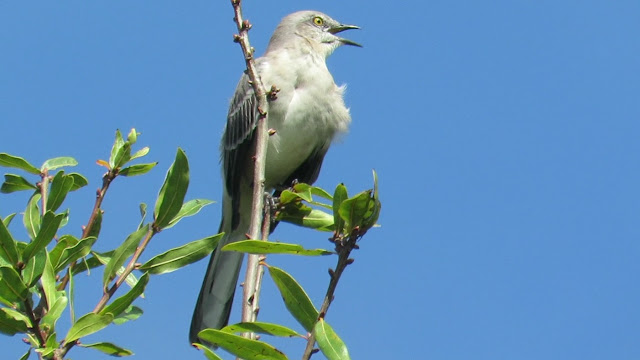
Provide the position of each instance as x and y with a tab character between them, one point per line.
318	21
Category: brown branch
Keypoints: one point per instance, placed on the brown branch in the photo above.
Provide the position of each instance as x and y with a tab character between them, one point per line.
106	181
251	288
343	248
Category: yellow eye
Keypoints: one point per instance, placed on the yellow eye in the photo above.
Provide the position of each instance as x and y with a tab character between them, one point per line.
318	21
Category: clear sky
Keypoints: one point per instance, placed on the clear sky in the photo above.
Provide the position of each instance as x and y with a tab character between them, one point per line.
505	135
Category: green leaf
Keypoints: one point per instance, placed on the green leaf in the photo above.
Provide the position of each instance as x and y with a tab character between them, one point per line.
60	187
260	328
8	249
72	294
295	298
64	242
11	286
121	254
309	218
181	256
173	190
360	211
137	169
339	195
329	342
79	181
133	136
119	305
7	160
109	349
7	220
140	153
48	229
267	247
58	162
13	183
86	264
55	311
207	352
87	325
189	208
13	322
131	313
31	217
48	281
34	268
244	348
143	214
96	225
71	254
116	149
26	355
65	218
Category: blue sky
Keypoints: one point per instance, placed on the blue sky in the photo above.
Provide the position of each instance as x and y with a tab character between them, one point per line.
505	136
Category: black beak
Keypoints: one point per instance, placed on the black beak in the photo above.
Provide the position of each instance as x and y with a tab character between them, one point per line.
340	28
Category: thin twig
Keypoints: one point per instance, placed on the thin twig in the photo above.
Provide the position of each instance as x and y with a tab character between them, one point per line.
44	188
35	322
106	181
343	248
261	138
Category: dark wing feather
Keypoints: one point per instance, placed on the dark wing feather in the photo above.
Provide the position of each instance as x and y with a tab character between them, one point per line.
237	141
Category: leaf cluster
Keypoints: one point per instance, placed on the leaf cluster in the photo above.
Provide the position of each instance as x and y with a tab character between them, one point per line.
37	276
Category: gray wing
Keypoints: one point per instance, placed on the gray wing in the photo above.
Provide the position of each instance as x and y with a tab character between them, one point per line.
237	141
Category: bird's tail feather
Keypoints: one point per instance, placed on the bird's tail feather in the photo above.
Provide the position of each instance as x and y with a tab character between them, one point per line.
216	295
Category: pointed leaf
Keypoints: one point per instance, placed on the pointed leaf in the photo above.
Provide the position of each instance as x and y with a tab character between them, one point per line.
34	268
339	195
260	328
133	136
58	162
311	218
329	342
8	249
26	355
207	352
31	217
189	208
123	156
64	242
78	181
48	281
7	220
87	325
7	160
14	183
71	254
109	349
55	312
123	252
140	153
143	214
72	294
267	247
181	256
60	187
119	305
173	190
131	313
87	264
137	169
295	298
118	144
48	229
11	286
244	348
13	322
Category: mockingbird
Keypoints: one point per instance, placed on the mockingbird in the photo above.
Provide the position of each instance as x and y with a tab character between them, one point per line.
308	113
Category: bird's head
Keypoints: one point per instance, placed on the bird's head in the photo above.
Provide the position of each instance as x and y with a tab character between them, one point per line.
313	28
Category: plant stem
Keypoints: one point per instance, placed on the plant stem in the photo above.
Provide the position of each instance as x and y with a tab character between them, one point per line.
251	288
44	189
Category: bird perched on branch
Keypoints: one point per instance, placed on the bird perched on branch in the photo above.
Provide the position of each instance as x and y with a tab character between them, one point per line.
307	115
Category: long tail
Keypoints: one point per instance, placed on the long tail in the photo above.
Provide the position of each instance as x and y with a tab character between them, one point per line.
216	295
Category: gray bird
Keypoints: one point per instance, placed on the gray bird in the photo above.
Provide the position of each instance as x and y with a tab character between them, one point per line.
307	115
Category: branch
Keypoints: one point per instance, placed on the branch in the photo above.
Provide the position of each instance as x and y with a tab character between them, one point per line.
343	248
250	288
106	181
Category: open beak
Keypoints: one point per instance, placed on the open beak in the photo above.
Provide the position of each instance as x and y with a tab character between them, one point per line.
340	28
